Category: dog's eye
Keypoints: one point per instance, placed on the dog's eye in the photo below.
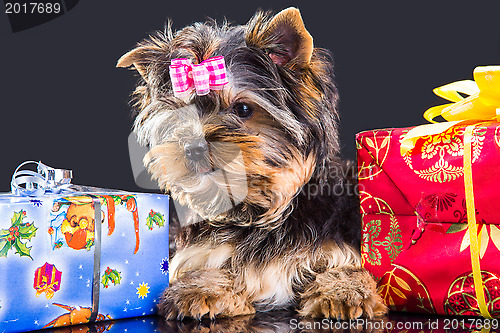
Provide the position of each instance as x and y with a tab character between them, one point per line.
242	110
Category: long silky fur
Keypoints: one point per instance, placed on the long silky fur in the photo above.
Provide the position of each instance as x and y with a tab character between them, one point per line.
301	215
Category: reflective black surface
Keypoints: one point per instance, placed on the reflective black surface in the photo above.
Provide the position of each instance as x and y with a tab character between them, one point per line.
280	322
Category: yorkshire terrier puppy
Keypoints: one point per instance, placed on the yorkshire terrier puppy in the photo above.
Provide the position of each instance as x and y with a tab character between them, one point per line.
255	156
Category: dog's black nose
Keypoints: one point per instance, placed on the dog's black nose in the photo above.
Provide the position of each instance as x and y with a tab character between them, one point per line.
195	150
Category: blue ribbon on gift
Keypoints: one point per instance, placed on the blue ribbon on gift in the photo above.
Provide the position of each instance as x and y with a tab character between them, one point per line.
44	180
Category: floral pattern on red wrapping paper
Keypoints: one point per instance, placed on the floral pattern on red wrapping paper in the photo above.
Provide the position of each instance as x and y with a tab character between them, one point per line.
441	201
461	298
372	241
434	156
402	290
497	136
377	143
432	205
486	232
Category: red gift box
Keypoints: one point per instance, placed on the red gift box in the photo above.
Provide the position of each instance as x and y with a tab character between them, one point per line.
430	221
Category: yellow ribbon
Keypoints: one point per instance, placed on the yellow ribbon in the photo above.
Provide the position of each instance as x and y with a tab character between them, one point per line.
482	104
471	221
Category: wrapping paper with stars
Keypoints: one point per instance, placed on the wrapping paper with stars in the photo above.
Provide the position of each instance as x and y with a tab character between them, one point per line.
48	272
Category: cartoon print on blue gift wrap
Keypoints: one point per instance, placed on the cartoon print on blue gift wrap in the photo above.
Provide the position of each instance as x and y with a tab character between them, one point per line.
36	202
131	203
47	280
155	219
72	223
76	315
12	238
72	220
77	266
111	275
142	290
164	266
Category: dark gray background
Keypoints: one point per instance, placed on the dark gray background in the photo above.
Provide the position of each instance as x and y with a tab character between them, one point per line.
63	101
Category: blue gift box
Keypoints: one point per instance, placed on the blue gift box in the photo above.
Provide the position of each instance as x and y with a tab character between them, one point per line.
78	256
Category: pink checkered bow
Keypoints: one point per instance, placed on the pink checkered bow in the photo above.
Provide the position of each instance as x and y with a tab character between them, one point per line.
209	74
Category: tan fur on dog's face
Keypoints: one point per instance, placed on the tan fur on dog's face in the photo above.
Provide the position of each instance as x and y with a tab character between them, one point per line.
241	157
255	164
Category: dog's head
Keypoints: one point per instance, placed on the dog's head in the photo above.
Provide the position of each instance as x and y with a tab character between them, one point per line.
243	152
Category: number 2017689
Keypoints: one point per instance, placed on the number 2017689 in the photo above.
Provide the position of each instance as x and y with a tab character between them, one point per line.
32	8
473	323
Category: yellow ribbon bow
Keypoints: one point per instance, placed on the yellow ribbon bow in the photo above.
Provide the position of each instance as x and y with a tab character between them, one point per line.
482	104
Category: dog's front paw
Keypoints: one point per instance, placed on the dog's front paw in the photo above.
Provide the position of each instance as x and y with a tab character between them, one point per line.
201	293
342	293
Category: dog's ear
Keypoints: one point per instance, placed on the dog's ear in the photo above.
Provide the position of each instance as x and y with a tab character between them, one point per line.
284	37
136	57
295	42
